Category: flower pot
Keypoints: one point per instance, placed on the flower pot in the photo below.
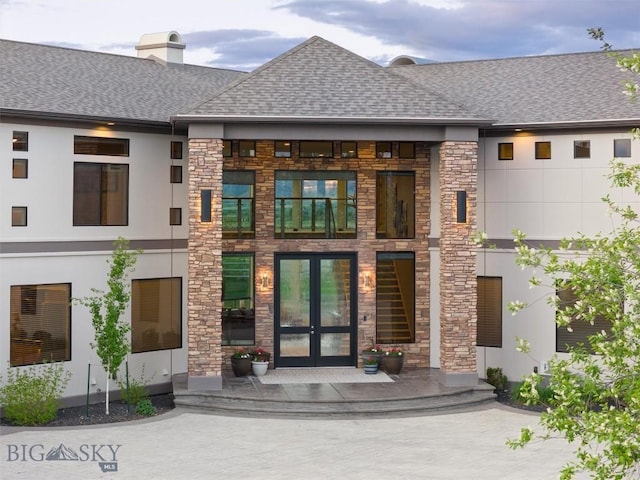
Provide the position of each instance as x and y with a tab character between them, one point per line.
392	363
369	355
241	366
259	368
371	369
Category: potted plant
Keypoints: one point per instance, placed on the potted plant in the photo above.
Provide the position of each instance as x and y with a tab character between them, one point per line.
393	360
241	362
370	365
372	351
260	361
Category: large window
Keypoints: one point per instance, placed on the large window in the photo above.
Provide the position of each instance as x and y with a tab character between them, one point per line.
579	331
489	327
118	147
238	204
40	323
395	297
100	194
315	204
156	314
238	293
395	205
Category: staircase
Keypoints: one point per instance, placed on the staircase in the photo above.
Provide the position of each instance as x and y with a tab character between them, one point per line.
392	315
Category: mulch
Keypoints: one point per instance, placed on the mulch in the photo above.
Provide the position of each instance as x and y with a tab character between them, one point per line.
95	414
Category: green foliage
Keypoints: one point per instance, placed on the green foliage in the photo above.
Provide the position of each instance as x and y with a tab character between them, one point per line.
594	399
137	389
496	378
146	408
110	332
31	395
524	393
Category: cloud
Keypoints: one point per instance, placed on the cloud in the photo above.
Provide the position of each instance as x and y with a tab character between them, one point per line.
472	29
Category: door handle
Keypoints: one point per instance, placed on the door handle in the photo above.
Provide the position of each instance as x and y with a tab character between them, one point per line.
312	330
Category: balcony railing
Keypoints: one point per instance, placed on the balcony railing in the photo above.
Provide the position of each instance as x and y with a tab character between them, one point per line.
315	217
238	217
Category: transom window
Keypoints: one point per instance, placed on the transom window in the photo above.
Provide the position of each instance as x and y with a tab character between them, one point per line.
282	149
118	147
384	150
407	150
316	149
315	204
246	148
348	149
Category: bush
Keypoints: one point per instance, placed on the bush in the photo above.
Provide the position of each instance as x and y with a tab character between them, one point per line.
146	408
31	395
522	394
137	391
496	378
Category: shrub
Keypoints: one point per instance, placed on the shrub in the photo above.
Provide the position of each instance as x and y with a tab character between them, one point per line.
522	393
137	391
146	408
31	395
496	378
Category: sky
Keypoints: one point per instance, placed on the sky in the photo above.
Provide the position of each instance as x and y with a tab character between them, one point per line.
244	34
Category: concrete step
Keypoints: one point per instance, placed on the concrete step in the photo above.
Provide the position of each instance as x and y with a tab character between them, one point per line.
367	407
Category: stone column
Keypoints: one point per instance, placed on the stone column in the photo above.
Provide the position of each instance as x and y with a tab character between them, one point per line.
458	294
204	294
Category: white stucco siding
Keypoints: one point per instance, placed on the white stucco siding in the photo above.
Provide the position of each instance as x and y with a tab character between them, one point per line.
48	190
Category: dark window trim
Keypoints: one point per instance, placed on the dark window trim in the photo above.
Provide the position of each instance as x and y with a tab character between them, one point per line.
99	145
25	161
252	151
578	148
309	153
492	338
382	152
538	150
348	154
627	142
505	155
282	153
22	209
175	216
176	150
18	145
227	144
126	223
401	144
175	174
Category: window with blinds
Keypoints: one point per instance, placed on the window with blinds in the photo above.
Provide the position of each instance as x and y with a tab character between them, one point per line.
156	314
580	330
489	327
40	323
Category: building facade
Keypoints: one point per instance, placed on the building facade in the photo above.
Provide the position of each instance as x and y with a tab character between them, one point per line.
313	207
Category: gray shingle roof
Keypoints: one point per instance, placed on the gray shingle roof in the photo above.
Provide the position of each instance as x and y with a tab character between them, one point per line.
576	87
318	79
45	79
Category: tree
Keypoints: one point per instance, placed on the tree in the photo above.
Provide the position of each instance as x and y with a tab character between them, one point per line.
110	332
596	390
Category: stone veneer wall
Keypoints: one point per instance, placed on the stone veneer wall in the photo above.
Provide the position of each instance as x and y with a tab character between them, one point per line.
458	292
204	291
366	245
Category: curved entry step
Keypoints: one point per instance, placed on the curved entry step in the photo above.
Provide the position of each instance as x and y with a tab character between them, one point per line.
416	392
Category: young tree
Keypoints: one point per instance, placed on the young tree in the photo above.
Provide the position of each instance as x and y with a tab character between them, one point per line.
110	336
596	391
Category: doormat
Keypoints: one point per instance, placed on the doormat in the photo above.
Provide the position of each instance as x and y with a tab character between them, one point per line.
291	376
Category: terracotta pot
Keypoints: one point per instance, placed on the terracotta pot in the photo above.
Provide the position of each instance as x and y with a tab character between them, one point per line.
241	366
392	363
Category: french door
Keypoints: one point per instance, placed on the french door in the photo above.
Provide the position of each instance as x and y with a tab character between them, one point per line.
315	309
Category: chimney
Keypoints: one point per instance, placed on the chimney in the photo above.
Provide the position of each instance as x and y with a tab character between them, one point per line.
164	46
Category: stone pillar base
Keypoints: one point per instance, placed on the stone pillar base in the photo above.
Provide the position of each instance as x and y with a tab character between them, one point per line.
467	379
198	383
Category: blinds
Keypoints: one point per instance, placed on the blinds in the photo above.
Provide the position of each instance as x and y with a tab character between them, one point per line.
489	312
581	330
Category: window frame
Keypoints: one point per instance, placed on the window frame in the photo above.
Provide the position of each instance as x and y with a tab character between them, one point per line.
227	149
20	165
100	146
540	153
353	153
175	174
411	314
402	146
307	149
175	216
384	150
176	150
235	177
136	308
581	149
383	225
20	141
19	216
244	310
282	149
82	188
505	151
491	327
247	148
622	148
31	304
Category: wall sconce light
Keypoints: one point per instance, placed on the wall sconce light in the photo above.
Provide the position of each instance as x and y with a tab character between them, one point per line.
461	206
205	205
265	280
367	280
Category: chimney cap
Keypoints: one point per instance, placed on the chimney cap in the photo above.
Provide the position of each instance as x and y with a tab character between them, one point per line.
164	46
